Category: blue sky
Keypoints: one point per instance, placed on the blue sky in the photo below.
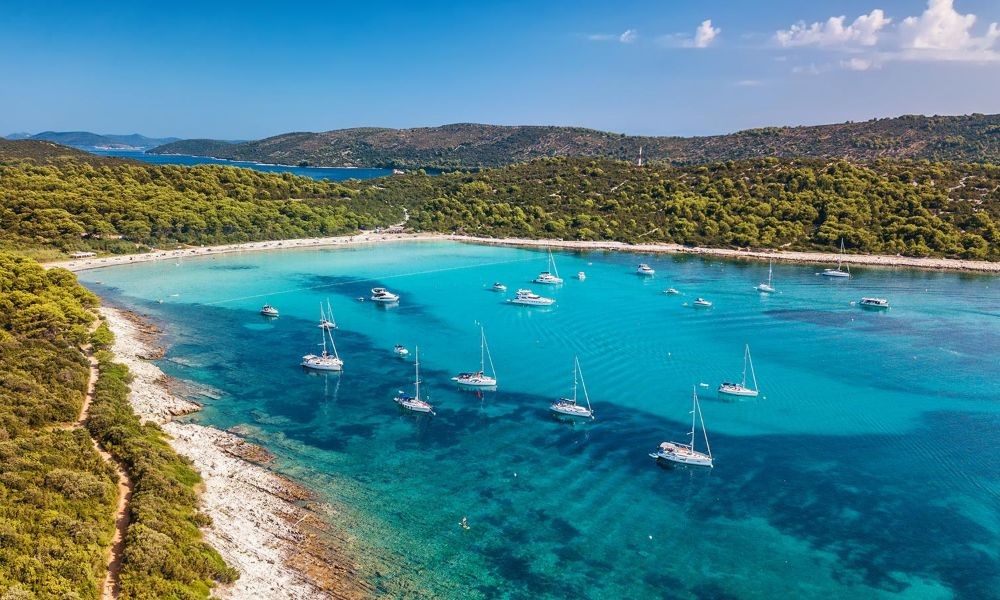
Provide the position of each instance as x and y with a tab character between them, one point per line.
249	70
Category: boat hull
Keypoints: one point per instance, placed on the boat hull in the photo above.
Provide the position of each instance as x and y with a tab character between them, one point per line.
765	288
835	273
571	410
544	302
738	391
317	365
414	406
475	382
692	461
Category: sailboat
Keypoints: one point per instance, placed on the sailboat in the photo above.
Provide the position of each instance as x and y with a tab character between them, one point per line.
551	276
767	287
741	389
414	402
326	318
479	378
570	407
838	272
325	361
686	454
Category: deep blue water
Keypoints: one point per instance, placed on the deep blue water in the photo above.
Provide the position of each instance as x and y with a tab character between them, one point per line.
868	467
331	173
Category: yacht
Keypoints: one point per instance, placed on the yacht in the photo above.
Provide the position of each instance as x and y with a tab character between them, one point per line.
529	298
326	318
644	269
400	350
686	454
325	361
569	406
670	291
551	276
414	402
269	311
479	378
767	288
384	295
499	287
838	272
874	303
581	276
702	303
741	389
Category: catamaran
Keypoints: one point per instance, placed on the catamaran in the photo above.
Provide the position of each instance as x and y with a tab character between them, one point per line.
569	406
529	298
741	389
324	361
838	272
479	378
766	287
326	318
269	311
384	295
551	276
646	270
685	454
414	402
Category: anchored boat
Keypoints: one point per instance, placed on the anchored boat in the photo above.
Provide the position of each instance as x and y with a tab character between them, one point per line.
479	378
414	403
569	406
686	454
741	389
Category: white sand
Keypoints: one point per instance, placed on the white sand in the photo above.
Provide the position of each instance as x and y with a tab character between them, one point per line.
253	516
827	258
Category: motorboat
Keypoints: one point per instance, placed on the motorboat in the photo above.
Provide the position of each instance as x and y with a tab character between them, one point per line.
570	406
686	454
645	270
529	298
326	361
702	303
838	272
414	403
874	303
383	295
581	276
499	287
551	275
670	291
479	378
400	350
741	389
269	311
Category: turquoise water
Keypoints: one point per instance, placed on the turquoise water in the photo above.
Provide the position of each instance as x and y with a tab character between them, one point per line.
331	173
867	468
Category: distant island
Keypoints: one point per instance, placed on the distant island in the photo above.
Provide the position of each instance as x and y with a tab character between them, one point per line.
970	138
86	139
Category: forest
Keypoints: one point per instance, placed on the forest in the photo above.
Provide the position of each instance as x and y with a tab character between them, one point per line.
57	495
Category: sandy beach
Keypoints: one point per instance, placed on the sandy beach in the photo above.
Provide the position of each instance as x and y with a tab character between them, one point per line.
825	258
264	525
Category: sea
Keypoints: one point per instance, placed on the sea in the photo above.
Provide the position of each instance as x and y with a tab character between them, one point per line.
867	467
331	173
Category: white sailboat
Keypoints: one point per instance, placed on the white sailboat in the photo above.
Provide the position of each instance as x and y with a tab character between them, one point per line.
325	361
570	407
326	318
551	276
414	402
741	389
838	272
767	288
479	378
686	454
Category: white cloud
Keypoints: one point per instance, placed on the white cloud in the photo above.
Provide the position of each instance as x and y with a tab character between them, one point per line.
629	36
810	69
705	34
944	33
626	37
864	31
859	64
749	83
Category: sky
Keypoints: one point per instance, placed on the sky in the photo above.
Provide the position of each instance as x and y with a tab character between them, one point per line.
247	70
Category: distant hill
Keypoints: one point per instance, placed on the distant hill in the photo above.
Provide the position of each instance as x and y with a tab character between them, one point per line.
86	139
44	152
971	138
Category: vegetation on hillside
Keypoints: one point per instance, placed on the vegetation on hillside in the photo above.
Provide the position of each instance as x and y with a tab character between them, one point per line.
905	207
971	138
57	496
121	206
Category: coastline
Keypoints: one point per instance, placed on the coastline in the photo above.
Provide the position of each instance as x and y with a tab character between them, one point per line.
827	258
265	526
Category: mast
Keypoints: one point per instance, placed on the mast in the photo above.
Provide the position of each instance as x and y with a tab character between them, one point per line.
694	407
752	374
840	258
703	430
552	264
746	351
416	377
329	310
583	384
576	367
769	267
486	347
482	349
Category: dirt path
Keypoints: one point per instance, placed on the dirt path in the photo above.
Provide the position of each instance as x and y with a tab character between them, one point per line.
110	585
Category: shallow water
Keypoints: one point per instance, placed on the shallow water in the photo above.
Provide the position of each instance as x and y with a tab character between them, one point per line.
867	467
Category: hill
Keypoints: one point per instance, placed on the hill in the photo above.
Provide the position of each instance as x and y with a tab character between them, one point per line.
43	152
971	138
86	139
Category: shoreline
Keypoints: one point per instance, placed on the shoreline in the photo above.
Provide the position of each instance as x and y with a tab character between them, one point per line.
827	258
267	527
